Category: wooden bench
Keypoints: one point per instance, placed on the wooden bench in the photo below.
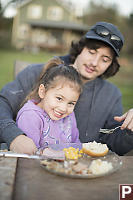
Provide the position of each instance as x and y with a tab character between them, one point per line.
19	65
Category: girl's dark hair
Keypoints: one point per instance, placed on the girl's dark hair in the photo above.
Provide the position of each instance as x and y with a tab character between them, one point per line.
77	47
55	71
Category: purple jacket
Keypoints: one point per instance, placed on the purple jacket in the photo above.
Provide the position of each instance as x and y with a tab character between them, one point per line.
36	123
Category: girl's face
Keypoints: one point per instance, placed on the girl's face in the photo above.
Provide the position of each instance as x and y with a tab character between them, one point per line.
58	102
91	63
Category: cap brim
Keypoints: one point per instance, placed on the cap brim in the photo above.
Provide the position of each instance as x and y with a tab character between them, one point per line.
96	37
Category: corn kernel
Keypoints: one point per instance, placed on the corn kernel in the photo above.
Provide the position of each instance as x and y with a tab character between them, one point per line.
72	153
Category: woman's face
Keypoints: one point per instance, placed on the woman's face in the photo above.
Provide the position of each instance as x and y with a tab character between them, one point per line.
58	102
91	63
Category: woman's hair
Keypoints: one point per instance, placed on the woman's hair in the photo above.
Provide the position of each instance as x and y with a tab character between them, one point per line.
77	47
56	72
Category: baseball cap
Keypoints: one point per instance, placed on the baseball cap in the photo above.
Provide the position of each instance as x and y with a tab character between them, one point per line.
107	33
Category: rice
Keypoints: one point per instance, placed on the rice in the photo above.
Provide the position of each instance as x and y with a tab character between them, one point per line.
99	167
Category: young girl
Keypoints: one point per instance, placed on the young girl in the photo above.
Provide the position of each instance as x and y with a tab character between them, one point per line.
47	117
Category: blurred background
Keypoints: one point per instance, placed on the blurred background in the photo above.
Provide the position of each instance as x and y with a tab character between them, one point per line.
36	30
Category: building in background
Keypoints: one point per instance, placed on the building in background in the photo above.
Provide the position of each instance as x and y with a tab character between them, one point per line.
45	24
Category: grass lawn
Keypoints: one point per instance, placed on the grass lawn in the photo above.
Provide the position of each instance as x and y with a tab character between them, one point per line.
7	59
123	79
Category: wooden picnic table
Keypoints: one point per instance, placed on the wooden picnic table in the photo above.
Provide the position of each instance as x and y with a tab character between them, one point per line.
25	179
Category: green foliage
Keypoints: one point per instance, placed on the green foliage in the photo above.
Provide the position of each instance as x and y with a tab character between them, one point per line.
100	12
5	31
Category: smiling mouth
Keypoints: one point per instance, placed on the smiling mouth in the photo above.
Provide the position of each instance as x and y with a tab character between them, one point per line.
58	114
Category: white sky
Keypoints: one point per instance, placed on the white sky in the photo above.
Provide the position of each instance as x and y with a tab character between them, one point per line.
124	6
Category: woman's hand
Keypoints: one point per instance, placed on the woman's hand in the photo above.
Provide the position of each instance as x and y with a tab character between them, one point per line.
128	120
23	144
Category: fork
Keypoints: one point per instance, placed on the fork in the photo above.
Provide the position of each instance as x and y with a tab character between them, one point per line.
108	131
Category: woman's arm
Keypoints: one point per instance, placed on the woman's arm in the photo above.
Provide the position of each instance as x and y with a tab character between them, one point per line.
11	96
120	142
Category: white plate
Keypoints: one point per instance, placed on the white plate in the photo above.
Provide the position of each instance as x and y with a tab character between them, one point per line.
58	167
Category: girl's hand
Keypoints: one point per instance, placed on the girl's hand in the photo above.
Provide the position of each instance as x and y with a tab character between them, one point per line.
23	144
128	120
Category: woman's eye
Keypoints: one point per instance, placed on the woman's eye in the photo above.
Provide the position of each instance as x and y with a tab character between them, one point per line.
92	51
106	60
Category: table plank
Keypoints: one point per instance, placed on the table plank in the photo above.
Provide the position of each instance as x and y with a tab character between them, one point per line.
7	177
33	182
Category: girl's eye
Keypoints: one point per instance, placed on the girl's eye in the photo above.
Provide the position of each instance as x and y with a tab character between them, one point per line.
72	104
59	98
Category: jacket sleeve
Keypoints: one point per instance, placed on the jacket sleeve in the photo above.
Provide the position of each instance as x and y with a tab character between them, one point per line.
30	123
120	142
75	131
11	96
114	109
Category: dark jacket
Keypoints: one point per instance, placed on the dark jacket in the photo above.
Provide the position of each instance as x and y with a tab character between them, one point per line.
99	102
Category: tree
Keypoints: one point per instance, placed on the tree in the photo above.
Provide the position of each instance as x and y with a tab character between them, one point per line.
10	2
129	35
100	12
5	29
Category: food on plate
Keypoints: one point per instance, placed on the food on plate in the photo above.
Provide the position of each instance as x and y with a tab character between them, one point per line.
77	167
72	153
51	153
95	149
79	164
99	167
80	168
